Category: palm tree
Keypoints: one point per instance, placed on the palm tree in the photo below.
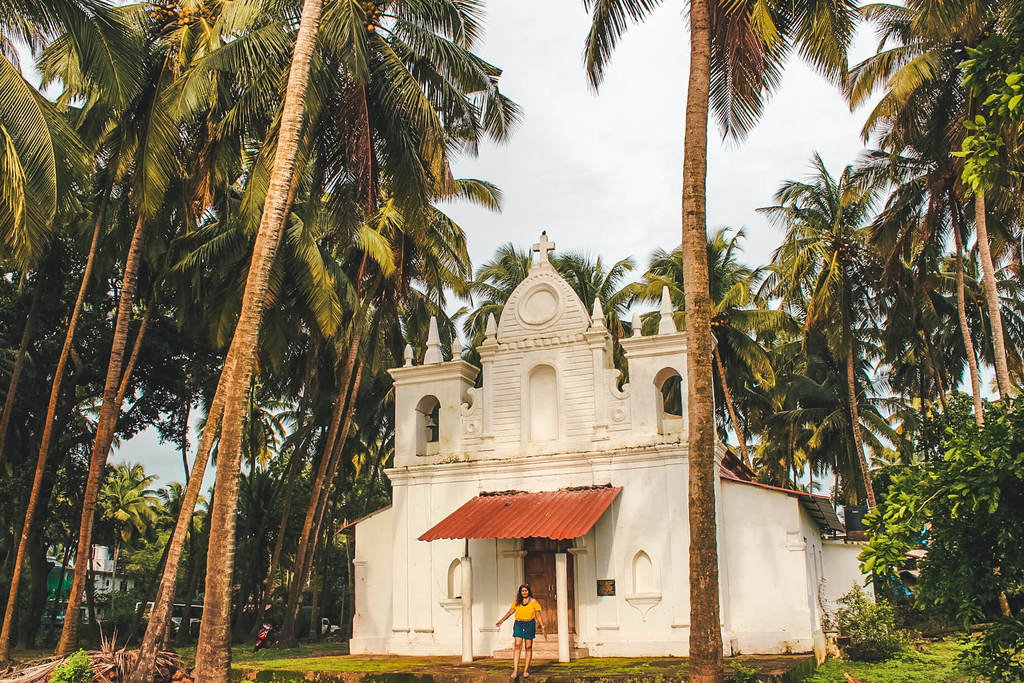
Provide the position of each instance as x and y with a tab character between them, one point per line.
823	271
399	43
921	210
736	54
43	156
917	67
153	161
492	286
739	318
126	500
213	654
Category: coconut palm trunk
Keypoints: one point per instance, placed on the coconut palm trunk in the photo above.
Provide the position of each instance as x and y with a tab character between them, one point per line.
858	441
163	603
320	485
133	358
988	274
19	365
961	309
336	458
213	653
741	436
46	440
270	581
104	437
705	625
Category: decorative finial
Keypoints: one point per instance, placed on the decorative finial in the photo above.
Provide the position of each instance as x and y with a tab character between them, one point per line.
456	347
597	319
637	325
667	325
408	355
491	331
543	247
433	354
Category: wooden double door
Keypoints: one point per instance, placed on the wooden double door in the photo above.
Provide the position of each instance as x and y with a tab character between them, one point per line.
539	573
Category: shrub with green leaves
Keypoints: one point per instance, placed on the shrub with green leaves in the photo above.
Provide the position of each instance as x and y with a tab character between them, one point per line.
967	508
742	674
869	628
75	669
998	653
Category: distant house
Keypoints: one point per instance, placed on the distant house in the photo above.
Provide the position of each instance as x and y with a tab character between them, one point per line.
106	580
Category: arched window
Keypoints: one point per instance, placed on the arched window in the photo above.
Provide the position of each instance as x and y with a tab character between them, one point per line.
428	412
670	401
455	580
643	574
543	403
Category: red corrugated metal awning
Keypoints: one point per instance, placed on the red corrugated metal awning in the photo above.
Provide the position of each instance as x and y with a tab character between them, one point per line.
562	514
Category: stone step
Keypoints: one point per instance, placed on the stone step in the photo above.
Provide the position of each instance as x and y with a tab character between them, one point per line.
544	649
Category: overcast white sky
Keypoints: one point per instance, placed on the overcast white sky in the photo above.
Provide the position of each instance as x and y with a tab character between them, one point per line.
603	172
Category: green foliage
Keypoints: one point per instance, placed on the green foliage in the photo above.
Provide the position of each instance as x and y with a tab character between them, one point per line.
870	627
998	653
967	508
980	153
118	609
75	669
995	72
929	663
742	673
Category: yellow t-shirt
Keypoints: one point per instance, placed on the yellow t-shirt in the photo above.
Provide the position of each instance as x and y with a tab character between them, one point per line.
526	612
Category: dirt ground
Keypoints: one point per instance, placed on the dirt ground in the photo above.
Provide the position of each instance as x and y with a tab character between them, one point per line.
449	669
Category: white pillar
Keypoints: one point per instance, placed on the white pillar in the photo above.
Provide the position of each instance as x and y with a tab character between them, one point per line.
467	610
562	605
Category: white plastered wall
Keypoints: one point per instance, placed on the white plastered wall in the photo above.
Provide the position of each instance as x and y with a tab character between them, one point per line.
763	536
842	571
371	623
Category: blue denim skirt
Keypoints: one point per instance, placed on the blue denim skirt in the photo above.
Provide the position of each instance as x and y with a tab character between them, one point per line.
526	630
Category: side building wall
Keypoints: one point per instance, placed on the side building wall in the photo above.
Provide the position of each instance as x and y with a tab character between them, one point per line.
769	588
371	623
842	571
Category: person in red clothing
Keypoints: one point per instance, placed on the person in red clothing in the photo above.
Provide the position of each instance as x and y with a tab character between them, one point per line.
528	617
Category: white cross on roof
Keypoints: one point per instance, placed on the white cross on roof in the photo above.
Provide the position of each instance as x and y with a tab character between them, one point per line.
543	247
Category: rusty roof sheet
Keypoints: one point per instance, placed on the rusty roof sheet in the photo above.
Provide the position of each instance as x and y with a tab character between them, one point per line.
562	514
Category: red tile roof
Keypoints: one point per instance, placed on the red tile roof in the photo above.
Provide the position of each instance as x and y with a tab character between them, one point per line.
562	514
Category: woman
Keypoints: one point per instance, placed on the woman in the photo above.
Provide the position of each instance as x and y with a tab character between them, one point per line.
527	611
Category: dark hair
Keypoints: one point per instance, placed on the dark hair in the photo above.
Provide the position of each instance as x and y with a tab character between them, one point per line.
519	595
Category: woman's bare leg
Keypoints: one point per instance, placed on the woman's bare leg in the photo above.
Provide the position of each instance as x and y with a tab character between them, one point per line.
515	657
529	656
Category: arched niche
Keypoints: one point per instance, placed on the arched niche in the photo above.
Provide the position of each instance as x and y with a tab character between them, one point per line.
643	574
669	385
455	579
428	413
542	403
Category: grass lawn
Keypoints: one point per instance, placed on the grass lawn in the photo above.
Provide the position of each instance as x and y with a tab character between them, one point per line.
935	664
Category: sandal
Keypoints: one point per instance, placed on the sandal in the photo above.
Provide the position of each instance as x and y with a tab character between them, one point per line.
526	674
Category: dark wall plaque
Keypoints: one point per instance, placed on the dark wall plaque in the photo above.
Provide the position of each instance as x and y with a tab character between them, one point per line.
606	586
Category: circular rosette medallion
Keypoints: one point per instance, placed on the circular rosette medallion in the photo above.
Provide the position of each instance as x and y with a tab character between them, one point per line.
539	305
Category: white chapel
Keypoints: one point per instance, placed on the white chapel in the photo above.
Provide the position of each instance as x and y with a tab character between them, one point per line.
555	473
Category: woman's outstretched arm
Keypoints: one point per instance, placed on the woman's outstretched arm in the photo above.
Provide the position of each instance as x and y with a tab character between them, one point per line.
509	613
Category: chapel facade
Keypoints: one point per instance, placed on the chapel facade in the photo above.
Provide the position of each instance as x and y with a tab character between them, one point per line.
556	473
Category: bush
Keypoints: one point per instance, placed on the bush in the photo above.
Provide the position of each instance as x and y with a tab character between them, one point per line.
869	628
75	669
742	674
998	653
